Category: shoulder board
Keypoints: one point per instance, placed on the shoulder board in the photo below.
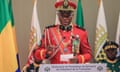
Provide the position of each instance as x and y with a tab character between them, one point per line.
80	28
50	26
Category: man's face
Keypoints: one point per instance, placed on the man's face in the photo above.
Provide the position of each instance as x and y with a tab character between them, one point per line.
65	17
111	53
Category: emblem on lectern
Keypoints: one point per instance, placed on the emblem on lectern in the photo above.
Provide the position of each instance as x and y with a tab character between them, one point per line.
99	68
47	69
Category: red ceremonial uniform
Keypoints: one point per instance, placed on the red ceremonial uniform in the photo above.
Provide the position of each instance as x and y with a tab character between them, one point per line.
60	41
64	43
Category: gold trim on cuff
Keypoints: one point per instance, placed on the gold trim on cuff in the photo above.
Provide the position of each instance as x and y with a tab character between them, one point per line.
41	54
82	58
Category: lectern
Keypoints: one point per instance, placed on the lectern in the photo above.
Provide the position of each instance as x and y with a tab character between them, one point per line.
73	67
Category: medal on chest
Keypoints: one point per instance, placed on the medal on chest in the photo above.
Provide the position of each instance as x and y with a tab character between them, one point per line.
70	39
66	44
66	36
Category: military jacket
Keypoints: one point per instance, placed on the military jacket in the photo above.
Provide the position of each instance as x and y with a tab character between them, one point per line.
63	42
112	66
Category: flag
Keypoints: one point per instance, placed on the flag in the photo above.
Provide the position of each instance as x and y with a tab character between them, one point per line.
101	33
118	34
35	33
57	20
8	46
79	15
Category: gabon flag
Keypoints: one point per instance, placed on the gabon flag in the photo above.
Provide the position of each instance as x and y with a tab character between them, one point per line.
79	15
8	47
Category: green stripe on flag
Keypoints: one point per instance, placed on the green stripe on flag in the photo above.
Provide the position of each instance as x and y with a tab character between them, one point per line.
5	13
79	15
11	13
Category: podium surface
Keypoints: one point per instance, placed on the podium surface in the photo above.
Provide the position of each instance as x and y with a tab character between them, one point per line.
72	68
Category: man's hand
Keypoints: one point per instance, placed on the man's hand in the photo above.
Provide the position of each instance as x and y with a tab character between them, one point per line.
73	60
50	50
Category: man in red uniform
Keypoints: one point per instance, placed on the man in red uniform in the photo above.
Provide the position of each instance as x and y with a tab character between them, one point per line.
64	43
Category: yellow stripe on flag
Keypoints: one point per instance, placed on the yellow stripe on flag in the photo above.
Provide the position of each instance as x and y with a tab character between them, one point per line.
8	59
